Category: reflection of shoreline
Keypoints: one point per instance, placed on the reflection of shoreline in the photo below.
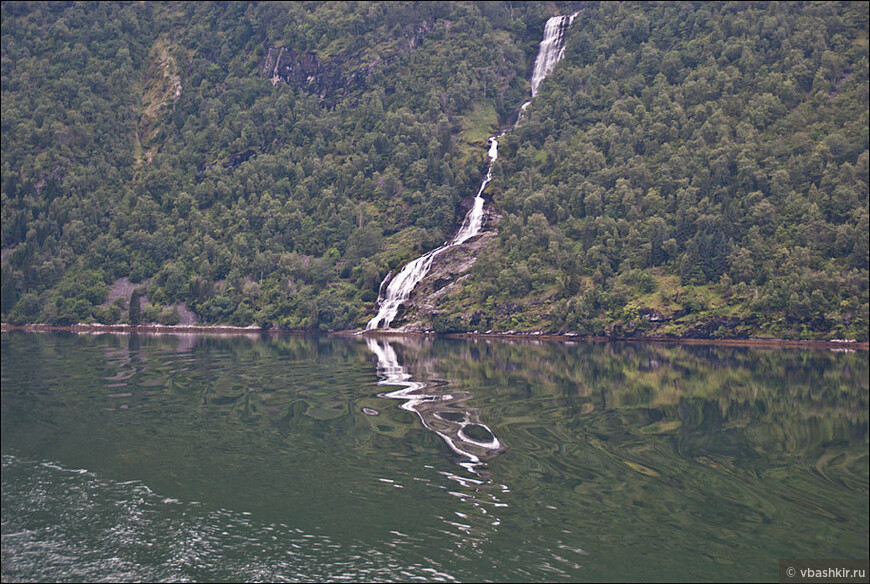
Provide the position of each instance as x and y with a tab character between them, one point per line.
441	412
147	329
538	336
532	336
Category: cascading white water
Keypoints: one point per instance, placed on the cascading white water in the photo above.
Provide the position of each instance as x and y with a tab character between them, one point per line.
276	79
473	221
551	51
552	48
399	288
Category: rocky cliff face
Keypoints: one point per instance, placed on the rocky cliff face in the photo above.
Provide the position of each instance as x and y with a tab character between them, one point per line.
330	80
449	270
334	78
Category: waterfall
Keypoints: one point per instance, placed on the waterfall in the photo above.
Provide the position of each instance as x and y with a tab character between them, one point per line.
473	221
552	48
276	79
551	51
399	288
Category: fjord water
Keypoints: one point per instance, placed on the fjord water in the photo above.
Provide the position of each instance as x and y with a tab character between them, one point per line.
138	458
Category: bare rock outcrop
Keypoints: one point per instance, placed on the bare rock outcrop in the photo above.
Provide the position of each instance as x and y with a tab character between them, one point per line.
449	270
334	77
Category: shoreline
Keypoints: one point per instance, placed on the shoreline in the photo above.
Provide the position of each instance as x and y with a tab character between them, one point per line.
227	330
96	328
834	345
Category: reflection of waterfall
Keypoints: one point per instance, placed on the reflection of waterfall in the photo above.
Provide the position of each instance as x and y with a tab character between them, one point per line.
399	288
441	412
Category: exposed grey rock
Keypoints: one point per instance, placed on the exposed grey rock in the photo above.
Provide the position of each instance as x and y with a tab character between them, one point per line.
449	270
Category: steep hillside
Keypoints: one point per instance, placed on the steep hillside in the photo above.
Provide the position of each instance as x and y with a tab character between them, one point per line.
264	163
687	169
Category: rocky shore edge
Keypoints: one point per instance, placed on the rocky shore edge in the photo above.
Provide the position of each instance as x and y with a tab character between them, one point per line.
843	345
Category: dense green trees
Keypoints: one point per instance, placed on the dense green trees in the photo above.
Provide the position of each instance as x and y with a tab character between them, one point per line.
693	161
135	310
145	141
725	144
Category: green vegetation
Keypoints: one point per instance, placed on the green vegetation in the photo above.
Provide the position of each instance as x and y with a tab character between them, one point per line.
688	169
147	141
135	311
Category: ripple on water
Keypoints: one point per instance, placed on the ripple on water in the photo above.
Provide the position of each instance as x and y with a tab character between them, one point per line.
62	524
691	460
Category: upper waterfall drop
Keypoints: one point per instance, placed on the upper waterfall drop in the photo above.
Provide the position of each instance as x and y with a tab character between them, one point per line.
399	288
552	48
551	51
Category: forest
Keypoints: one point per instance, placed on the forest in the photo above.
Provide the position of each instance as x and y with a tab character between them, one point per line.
688	169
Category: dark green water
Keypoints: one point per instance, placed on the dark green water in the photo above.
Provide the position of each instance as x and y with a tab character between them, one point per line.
129	457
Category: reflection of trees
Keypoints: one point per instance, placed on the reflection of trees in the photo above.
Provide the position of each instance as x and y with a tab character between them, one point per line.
682	440
770	402
746	406
703	444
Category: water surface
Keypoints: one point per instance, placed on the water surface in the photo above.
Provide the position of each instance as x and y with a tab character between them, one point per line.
132	457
